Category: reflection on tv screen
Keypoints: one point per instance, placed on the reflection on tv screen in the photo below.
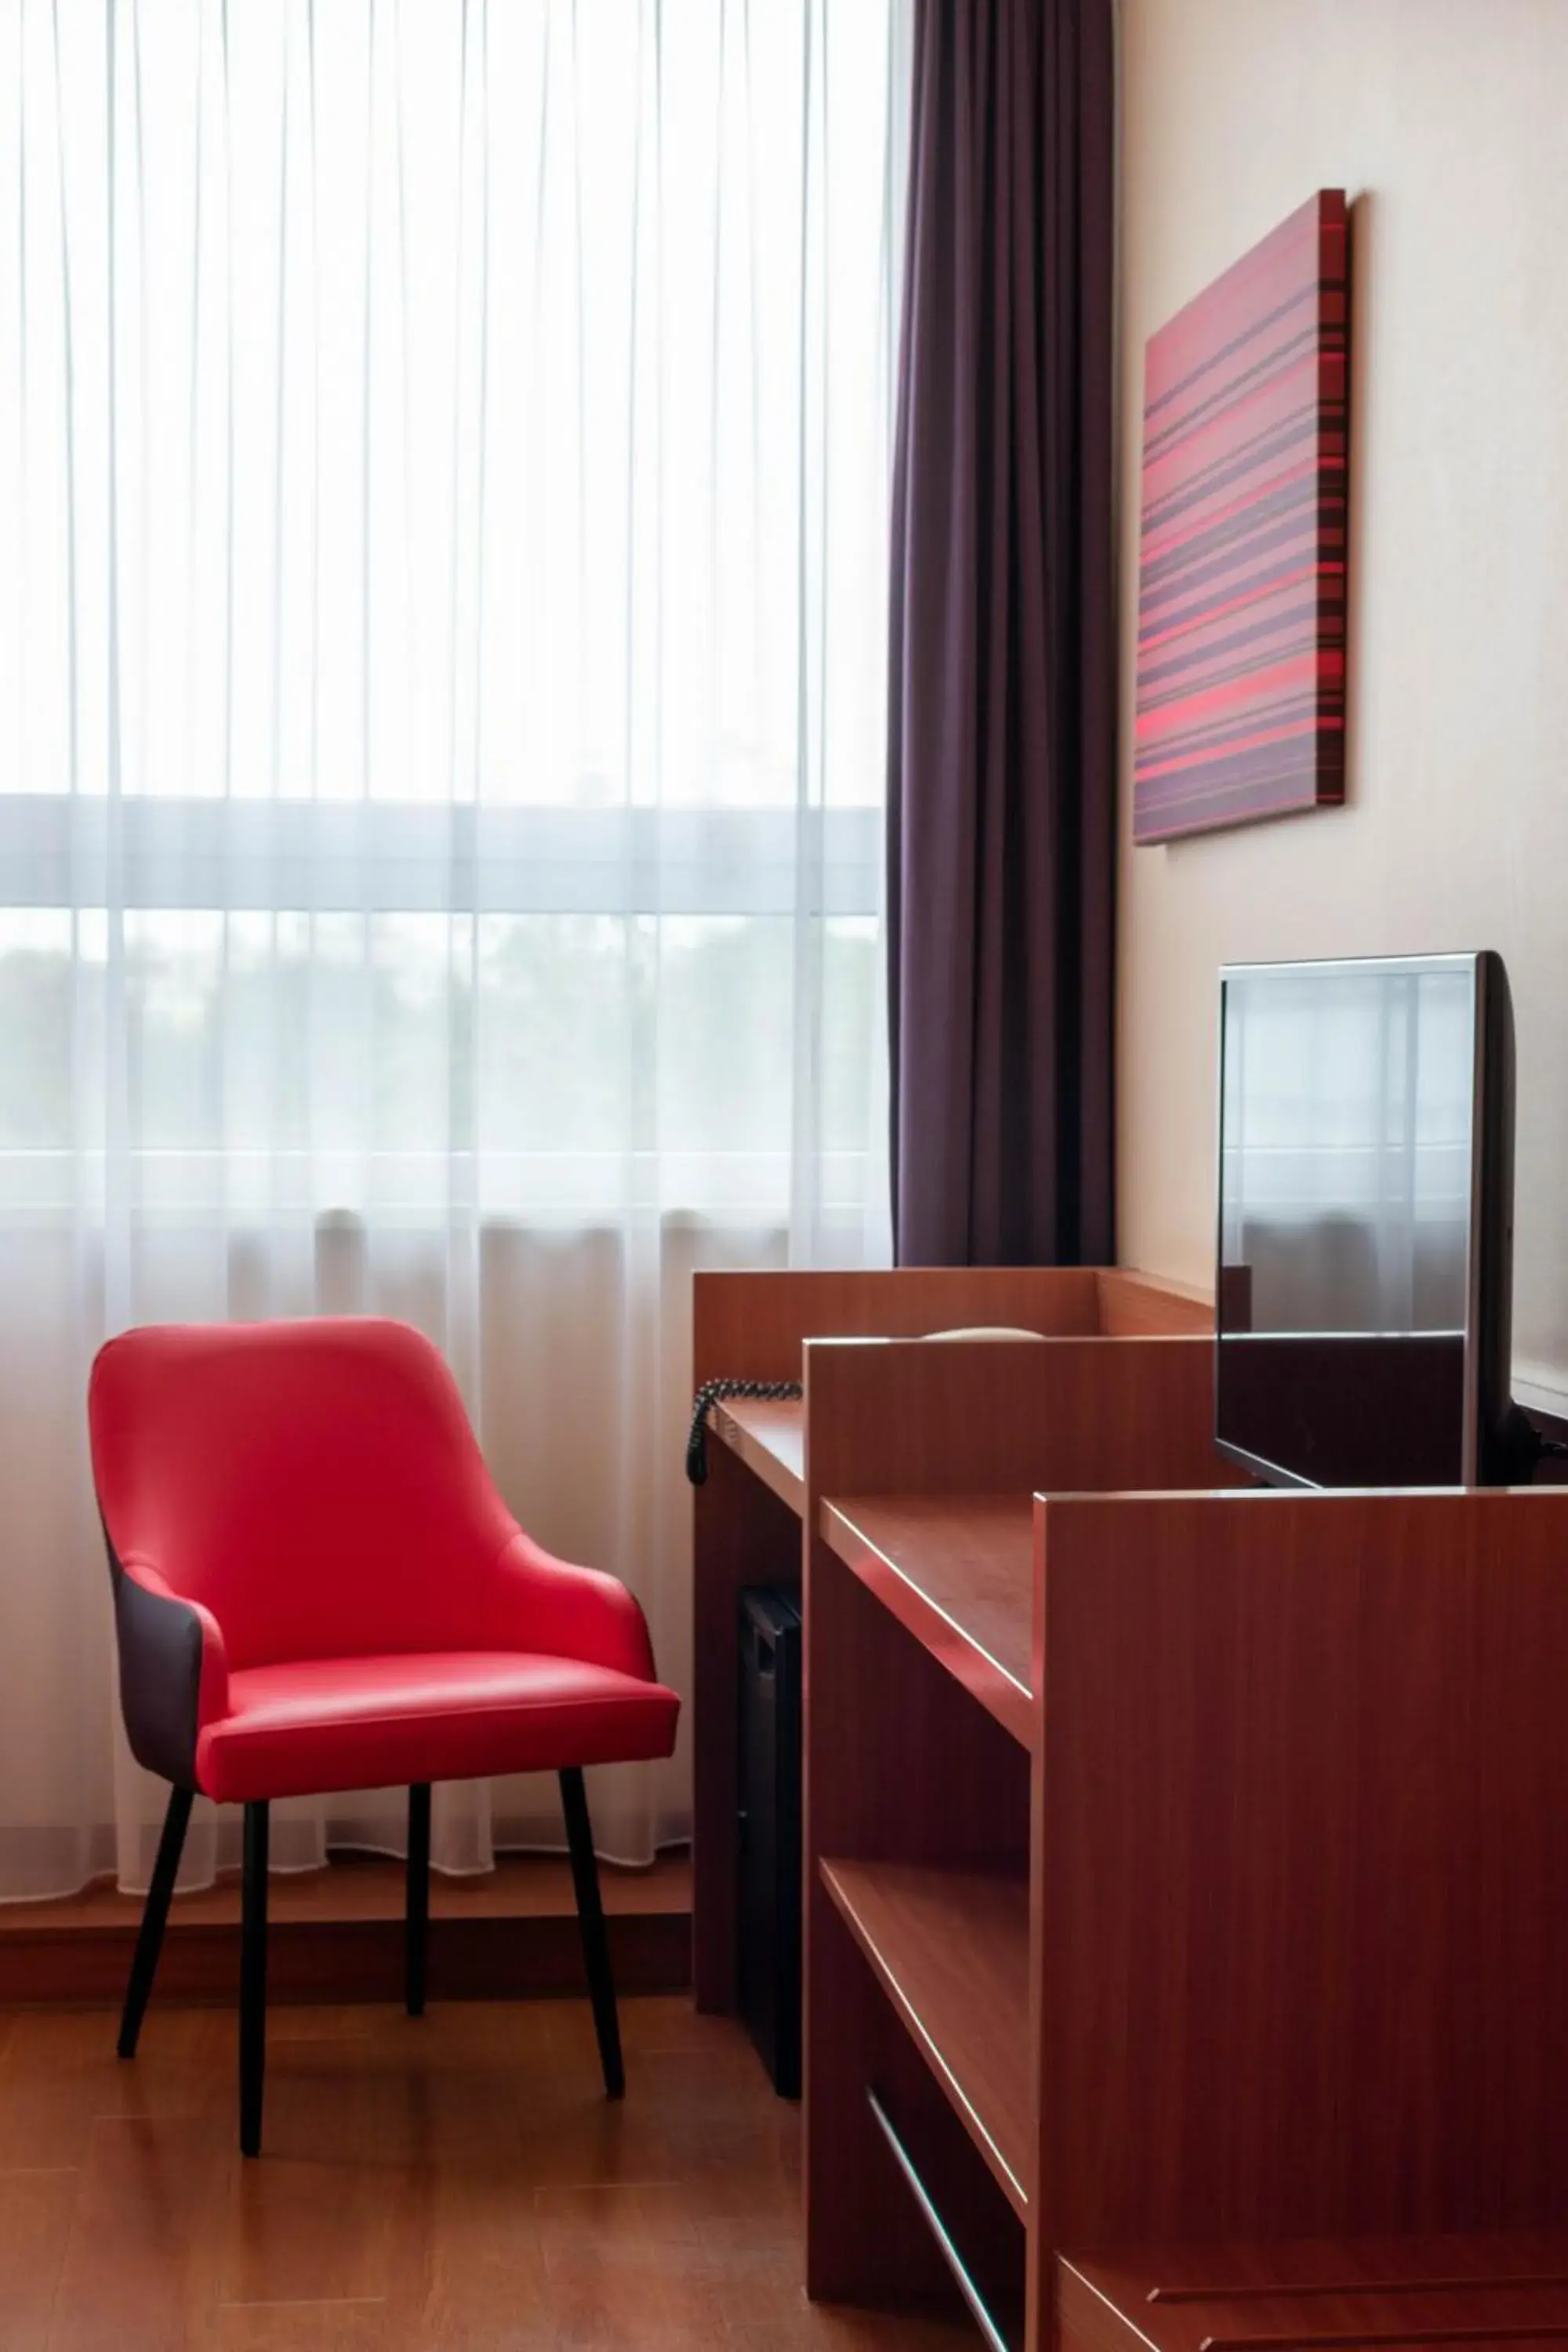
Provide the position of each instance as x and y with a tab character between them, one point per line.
1347	1140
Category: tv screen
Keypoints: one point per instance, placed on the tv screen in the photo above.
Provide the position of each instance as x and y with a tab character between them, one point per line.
1364	1175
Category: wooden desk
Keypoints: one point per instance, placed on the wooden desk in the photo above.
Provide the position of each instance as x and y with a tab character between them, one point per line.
748	1518
1180	1865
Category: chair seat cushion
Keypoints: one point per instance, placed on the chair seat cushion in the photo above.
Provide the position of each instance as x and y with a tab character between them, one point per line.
302	1728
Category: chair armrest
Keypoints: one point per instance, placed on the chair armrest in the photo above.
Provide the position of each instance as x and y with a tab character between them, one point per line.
550	1605
174	1670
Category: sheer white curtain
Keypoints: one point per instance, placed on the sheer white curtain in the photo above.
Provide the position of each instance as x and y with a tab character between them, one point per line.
443	500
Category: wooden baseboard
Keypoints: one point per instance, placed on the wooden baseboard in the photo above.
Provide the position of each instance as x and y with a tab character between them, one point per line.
337	1935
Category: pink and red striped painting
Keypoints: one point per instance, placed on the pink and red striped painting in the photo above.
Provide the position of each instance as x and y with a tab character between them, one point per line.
1241	588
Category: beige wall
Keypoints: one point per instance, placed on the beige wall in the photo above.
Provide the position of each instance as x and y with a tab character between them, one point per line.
1448	121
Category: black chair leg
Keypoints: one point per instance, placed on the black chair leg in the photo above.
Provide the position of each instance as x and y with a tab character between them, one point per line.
150	1942
416	1920
253	1979
591	1920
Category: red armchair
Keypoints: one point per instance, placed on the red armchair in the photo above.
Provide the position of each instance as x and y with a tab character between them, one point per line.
317	1587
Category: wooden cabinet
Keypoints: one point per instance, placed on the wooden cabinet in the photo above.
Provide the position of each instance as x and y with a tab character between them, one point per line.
1205	1848
1237	1913
1184	1861
1327	2293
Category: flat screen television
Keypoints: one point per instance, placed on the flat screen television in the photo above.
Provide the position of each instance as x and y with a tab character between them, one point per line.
1362	1304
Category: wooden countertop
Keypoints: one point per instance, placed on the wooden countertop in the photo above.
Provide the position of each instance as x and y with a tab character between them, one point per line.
770	1439
958	1572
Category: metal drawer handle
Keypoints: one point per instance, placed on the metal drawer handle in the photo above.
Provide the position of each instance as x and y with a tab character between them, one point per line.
949	2252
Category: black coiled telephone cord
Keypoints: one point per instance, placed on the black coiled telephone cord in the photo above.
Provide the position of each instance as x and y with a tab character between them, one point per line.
710	1394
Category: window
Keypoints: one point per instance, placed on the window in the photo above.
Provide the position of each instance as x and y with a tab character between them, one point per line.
444	461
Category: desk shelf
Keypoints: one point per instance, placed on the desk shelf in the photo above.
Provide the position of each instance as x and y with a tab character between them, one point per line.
769	1437
951	1948
958	1572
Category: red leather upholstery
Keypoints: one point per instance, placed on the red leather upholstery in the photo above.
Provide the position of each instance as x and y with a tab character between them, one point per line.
318	1586
361	1723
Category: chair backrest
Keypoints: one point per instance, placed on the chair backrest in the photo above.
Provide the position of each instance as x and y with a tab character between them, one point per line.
315	1484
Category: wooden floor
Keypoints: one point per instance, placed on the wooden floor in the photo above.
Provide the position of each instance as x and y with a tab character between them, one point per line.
454	2184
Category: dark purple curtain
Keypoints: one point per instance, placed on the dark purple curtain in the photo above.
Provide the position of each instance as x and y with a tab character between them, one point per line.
1002	831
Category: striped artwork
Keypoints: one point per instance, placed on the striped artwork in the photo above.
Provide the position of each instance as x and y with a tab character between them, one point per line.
1241	583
